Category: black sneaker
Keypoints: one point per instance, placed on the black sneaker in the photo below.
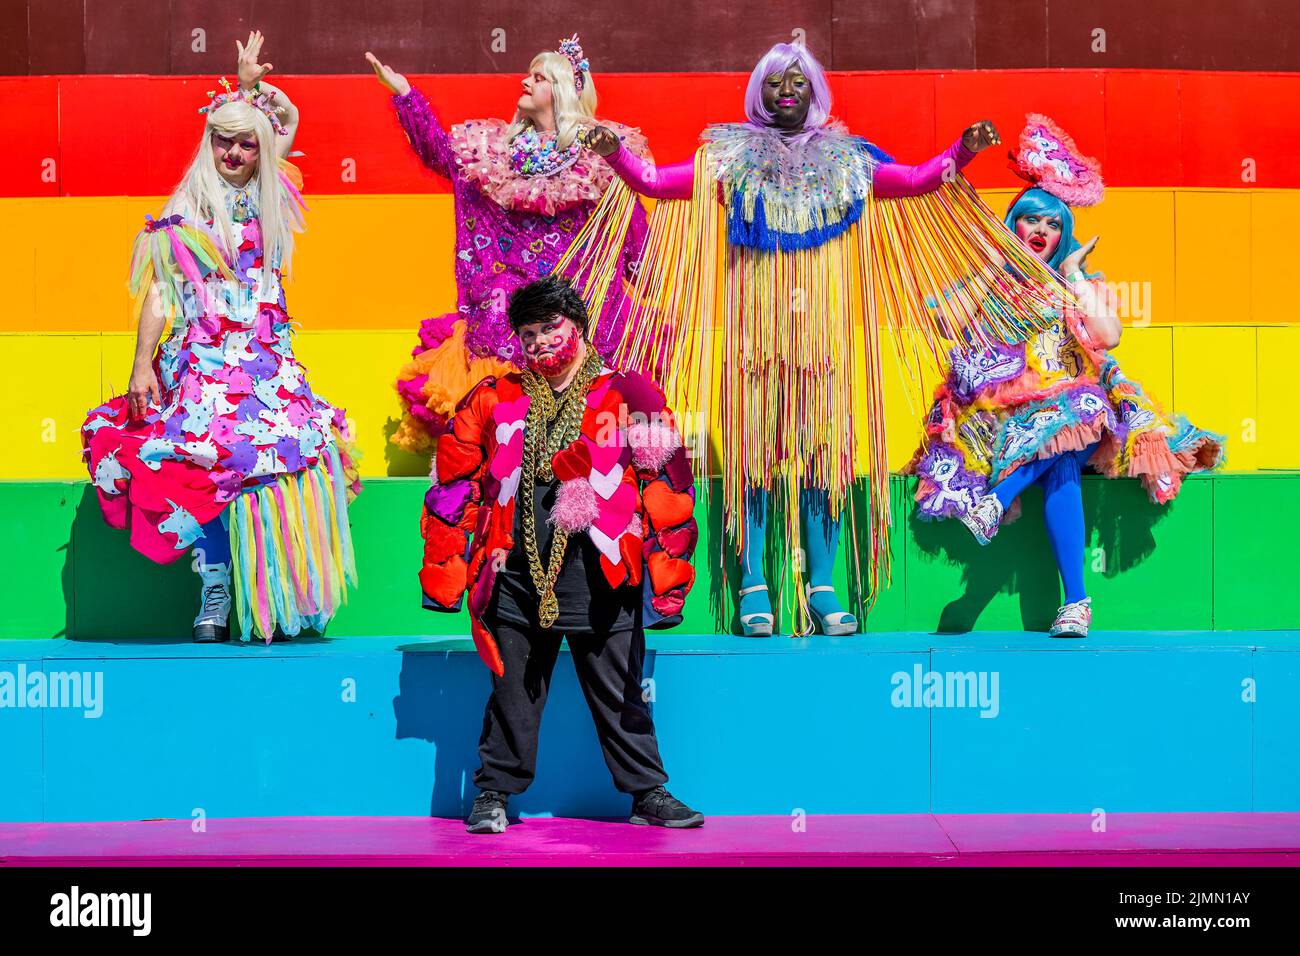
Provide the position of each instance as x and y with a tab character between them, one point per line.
488	815
659	808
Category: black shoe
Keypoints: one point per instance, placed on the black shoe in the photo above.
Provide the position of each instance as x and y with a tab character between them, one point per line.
488	814
211	633
659	808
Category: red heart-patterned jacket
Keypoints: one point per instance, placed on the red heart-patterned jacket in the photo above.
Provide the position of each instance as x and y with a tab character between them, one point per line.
625	482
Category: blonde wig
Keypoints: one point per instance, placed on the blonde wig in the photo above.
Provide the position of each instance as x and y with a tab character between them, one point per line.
199	196
573	110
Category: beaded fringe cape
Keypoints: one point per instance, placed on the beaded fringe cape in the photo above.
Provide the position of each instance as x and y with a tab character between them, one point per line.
762	302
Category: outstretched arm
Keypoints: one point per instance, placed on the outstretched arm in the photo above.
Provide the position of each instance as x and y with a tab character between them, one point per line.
656	182
418	119
898	180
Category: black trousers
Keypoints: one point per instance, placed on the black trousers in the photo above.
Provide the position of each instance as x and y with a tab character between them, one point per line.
609	672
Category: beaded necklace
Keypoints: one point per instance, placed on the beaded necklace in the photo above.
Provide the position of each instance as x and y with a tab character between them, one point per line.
532	154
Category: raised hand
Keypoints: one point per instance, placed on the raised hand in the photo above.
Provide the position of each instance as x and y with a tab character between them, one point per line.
981	136
250	71
1076	260
394	81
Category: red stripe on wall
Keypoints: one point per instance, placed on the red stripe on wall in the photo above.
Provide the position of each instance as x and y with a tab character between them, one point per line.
29	163
133	135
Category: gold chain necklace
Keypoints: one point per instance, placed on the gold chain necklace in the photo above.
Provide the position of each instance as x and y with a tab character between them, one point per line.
549	425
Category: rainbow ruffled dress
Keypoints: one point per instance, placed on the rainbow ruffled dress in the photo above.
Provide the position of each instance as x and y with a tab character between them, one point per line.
238	430
511	229
1002	405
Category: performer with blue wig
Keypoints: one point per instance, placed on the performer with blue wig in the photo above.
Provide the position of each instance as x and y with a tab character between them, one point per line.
1042	408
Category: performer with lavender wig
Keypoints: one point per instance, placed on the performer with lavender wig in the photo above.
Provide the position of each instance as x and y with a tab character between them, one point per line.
793	239
522	191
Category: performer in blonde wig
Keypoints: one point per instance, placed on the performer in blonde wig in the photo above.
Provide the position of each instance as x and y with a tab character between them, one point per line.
793	241
522	191
220	447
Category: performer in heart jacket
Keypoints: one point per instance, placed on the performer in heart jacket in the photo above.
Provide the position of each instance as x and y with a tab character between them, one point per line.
562	502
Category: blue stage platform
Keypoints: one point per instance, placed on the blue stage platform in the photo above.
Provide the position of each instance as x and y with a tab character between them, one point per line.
1121	722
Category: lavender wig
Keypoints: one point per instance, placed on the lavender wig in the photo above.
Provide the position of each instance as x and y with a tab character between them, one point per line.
777	60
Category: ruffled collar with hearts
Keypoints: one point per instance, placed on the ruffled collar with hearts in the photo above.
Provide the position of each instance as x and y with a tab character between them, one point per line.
483	152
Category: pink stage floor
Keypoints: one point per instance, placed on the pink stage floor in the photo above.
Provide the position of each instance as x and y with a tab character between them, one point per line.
1130	839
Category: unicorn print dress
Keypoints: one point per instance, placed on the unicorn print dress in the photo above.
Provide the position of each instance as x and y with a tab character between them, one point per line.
239	433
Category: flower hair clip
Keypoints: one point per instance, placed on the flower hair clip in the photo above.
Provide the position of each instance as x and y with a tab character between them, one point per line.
572	50
253	97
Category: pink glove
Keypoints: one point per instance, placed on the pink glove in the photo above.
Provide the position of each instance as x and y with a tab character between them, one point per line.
675	181
896	180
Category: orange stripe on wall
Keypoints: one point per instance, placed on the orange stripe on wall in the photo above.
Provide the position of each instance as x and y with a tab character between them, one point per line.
1180	256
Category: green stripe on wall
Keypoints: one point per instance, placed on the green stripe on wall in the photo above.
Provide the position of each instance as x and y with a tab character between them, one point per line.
1222	556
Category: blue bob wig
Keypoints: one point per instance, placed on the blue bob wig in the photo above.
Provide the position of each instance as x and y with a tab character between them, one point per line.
1038	202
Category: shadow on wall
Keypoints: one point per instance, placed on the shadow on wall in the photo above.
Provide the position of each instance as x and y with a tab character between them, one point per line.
719	552
106	582
402	464
440	700
1118	516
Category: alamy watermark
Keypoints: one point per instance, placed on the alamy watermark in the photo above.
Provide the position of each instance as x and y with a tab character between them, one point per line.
38	689
924	688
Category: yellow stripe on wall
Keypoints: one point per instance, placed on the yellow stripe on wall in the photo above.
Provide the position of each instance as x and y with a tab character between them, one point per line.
1232	380
1216	376
1186	256
1278	428
49	383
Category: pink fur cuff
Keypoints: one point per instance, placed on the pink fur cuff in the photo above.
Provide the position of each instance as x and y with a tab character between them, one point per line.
652	444
575	506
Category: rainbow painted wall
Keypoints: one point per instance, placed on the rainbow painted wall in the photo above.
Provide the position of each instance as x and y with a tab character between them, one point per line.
1203	169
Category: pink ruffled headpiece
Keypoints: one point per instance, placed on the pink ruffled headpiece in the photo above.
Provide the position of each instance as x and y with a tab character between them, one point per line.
1048	158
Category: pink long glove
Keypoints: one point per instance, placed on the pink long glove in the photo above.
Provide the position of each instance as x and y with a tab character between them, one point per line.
674	181
891	180
897	180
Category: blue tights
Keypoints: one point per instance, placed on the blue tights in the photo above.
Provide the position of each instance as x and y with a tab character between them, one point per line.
214	546
821	536
1062	510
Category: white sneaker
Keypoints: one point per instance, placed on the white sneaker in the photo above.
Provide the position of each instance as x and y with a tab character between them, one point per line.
1072	620
212	626
984	519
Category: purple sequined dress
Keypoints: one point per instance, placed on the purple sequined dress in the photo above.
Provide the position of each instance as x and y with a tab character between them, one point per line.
511	229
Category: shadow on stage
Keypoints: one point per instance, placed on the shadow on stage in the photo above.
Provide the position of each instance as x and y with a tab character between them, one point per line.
951	579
